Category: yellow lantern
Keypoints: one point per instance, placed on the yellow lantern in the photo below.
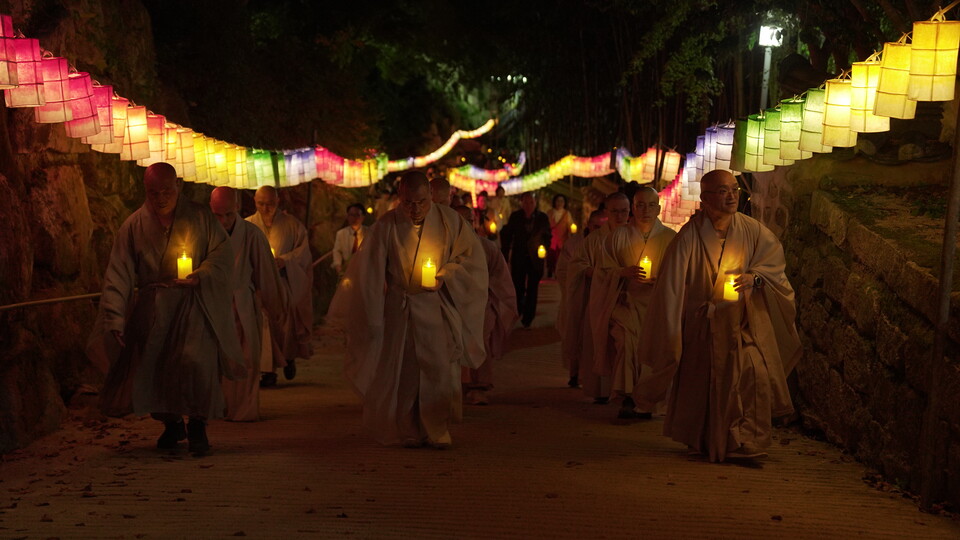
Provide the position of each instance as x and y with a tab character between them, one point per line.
671	165
933	59
791	124
136	142
836	115
811	127
863	92
894	80
200	158
118	110
753	152
185	156
771	138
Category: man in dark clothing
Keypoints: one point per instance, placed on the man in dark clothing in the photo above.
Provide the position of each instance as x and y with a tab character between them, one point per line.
527	231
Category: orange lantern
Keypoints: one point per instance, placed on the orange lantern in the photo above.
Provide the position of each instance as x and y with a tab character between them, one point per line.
136	141
55	72
29	90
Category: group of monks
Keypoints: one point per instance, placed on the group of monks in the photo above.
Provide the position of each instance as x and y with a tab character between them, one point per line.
699	322
200	308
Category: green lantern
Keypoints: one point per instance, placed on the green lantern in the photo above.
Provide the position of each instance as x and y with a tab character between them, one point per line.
811	129
791	124
771	138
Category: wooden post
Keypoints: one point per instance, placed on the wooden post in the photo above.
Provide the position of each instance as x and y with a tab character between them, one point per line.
932	475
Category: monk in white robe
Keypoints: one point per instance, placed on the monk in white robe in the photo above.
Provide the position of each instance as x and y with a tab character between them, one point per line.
291	248
629	286
258	291
406	335
499	319
594	262
165	340
728	359
572	299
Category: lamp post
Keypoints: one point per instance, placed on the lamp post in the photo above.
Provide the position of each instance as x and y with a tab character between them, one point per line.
770	37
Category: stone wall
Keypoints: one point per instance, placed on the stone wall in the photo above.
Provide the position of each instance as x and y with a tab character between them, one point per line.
865	315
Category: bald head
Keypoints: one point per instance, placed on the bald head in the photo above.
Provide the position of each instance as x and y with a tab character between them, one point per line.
720	193
618	209
224	205
646	208
162	189
414	196
440	191
267	201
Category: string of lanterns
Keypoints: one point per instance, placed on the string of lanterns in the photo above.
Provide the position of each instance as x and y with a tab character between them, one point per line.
33	78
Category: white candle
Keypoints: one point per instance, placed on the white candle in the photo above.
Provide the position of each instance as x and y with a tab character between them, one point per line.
729	293
428	274
573	228
542	252
184	266
647	266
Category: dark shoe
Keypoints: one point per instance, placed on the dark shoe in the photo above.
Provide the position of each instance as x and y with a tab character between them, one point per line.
268	379
197	437
290	370
173	433
573	382
601	400
629	413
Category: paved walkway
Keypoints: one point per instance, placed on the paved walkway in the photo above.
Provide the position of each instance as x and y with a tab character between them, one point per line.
539	462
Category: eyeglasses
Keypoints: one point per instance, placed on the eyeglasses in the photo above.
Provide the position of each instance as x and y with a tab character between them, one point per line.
723	192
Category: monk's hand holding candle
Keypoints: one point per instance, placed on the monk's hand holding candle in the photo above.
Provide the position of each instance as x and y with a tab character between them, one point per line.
747	281
190	281
634	272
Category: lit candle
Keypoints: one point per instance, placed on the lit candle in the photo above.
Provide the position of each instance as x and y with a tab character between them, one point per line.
573	228
647	266
493	227
728	291
428	274
184	266
542	252
369	209
273	252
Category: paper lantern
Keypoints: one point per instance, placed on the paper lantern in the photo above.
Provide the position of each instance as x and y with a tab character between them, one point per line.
119	107
771	138
864	77
185	156
8	60
217	162
136	142
933	59
156	140
710	149
725	134
791	124
701	155
55	72
29	90
811	129
753	153
739	151
102	96
671	165
83	107
200	157
836	115
892	99
649	159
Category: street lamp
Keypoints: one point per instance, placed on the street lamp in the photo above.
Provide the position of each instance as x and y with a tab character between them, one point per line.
770	36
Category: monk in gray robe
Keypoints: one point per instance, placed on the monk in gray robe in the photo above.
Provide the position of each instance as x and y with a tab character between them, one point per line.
291	248
168	332
412	308
624	289
258	291
720	326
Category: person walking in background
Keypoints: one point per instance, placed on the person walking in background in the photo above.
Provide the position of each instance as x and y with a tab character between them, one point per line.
525	235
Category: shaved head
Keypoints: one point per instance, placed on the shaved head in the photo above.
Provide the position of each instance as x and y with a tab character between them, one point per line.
224	205
415	196
440	190
162	188
720	193
618	209
267	201
646	208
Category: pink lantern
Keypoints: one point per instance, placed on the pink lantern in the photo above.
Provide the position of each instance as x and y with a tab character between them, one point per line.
83	107
156	142
29	90
55	72
8	62
136	142
119	108
102	96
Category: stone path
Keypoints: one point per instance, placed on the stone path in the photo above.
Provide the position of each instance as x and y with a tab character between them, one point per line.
539	462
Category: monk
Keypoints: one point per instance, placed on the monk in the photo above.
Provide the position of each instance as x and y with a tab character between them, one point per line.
628	285
572	299
594	324
408	333
257	291
167	338
291	248
440	191
728	359
500	317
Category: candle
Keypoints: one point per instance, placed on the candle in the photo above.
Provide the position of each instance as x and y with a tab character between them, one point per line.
273	252
573	228
542	252
728	291
369	209
428	274
184	266
493	227
647	266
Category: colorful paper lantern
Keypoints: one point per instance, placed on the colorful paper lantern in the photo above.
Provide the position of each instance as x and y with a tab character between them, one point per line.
791	127
55	72
156	140
771	138
136	142
725	134
8	64
753	153
864	77
933	59
119	107
836	115
892	99
185	160
701	155
811	130
102	96
200	158
29	90
738	153
710	149
83	107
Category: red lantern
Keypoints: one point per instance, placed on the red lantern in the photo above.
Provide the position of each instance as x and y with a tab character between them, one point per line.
55	72
8	63
83	108
102	96
29	90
